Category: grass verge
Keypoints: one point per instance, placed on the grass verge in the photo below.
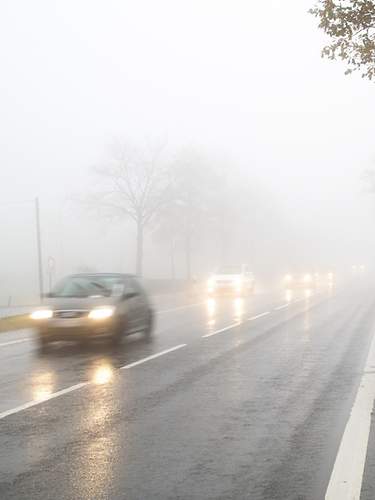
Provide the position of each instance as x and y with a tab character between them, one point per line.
12	323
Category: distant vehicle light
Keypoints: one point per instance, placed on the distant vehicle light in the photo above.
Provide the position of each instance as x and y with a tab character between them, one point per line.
238	284
101	313
288	278
211	284
307	278
41	314
288	296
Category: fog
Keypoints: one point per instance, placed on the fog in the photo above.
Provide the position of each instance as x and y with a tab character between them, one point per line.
239	83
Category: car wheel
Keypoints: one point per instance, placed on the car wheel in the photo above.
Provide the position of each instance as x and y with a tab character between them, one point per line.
149	325
118	333
115	340
43	343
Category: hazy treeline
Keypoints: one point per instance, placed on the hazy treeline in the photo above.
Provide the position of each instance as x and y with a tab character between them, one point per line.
199	209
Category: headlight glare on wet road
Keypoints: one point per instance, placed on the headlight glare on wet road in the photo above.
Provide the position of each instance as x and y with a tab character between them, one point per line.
238	282
103	375
211	284
307	278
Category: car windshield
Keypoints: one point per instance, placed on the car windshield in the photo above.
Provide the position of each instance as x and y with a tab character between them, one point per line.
88	286
229	270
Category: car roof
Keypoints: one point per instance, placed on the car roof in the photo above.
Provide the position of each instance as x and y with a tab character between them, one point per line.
104	275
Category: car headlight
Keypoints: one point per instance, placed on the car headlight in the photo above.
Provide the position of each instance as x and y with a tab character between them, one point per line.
288	278
41	314
307	278
101	313
238	282
211	283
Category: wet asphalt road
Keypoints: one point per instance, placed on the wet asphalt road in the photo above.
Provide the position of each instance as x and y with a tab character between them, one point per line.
253	411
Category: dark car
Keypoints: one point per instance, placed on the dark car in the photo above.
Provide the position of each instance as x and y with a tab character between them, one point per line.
83	307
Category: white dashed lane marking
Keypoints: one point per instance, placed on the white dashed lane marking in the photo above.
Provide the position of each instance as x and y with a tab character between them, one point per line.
229	327
81	385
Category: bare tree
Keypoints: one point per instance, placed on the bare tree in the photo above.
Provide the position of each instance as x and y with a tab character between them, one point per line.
188	215
168	233
134	184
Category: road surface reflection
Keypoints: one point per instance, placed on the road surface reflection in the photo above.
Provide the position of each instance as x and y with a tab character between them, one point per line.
42	385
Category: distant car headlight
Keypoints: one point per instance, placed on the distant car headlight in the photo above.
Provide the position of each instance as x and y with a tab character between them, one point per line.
237	284
307	278
288	278
101	313
41	314
211	284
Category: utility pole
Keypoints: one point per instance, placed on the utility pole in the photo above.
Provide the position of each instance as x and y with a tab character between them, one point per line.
51	271
39	248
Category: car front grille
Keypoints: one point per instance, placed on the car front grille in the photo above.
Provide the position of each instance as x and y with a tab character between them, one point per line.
68	314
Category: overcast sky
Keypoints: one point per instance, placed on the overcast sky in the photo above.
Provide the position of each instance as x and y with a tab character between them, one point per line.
239	76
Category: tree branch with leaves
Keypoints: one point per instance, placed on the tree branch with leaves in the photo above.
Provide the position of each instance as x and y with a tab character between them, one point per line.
351	26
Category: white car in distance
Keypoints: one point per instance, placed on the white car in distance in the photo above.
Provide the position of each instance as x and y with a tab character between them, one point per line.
231	280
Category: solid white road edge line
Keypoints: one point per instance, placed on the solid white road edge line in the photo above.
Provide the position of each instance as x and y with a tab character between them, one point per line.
4	344
259	316
229	327
153	356
47	398
347	474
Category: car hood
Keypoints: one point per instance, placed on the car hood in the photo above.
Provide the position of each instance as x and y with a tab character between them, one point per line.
227	277
67	303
